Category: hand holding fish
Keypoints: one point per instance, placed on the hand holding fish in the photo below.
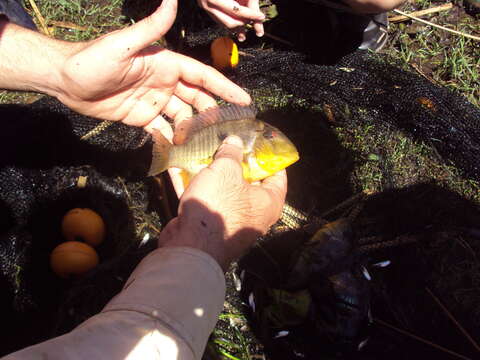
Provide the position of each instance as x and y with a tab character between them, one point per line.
222	214
235	14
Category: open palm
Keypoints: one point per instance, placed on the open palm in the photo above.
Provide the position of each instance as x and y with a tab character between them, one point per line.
121	77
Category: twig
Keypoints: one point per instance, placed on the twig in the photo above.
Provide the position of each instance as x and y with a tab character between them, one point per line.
243	53
369	240
457	324
69	25
102	126
406	333
432	10
120	180
40	18
417	68
437	26
351	200
371	246
274	37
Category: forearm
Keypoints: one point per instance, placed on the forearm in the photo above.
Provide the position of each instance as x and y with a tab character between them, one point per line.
166	310
29	60
373	6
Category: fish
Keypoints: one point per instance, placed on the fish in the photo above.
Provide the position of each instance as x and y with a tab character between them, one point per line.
266	150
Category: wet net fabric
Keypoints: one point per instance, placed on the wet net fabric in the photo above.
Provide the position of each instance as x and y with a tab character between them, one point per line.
363	87
53	160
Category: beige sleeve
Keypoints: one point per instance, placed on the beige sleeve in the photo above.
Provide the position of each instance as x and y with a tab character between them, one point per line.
167	310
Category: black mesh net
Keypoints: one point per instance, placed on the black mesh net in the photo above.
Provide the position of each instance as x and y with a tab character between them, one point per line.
416	216
45	149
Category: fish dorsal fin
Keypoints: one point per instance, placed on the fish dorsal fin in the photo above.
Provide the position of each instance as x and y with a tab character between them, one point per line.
211	116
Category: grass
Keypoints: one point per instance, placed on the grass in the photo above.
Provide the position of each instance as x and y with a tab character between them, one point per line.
402	162
449	60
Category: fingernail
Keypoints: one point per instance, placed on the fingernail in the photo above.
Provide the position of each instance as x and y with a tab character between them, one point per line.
260	33
233	140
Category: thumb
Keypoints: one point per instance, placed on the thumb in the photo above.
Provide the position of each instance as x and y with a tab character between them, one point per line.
229	155
232	147
142	34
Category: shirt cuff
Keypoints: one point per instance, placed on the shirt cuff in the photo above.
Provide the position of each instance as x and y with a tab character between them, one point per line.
182	287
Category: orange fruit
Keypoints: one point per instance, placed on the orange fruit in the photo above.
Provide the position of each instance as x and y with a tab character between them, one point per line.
224	53
73	258
83	225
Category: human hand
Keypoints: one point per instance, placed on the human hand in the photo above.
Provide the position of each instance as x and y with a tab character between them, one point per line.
120	77
235	14
222	214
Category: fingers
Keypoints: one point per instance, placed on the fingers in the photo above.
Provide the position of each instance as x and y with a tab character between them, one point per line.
138	36
257	25
159	123
272	196
229	156
228	21
206	77
194	96
232	148
146	109
242	35
233	8
277	185
177	110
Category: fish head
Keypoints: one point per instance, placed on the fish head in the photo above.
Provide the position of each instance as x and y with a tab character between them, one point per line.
272	152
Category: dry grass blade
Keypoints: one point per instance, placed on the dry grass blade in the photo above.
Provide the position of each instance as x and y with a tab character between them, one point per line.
40	18
273	37
367	244
451	317
432	10
437	26
69	25
97	129
406	333
279	39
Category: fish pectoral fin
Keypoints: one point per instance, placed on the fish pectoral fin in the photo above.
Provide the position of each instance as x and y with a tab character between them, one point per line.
186	178
160	153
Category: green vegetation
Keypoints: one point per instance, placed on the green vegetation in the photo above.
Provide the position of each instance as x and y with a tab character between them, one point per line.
447	59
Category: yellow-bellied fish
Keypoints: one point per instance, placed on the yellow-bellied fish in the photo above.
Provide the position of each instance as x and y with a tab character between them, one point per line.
266	149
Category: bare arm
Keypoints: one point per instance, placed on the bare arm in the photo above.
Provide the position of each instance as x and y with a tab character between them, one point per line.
171	302
119	76
373	6
31	61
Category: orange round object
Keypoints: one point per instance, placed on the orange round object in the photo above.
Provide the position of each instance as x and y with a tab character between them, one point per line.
85	225
224	53
73	258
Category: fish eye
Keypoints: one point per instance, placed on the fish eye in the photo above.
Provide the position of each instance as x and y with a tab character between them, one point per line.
268	134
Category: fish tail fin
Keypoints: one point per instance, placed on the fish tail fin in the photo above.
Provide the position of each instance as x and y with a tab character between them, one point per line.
160	153
186	178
